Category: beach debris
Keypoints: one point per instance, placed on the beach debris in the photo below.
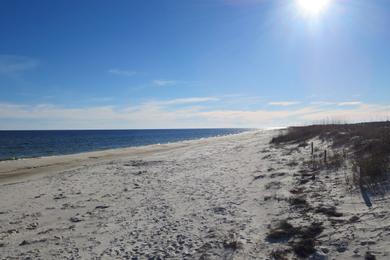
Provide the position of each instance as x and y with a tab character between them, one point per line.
219	210
45	231
367	242
341	246
102	207
324	249
24	242
32	226
261	176
12	231
59	196
267	156
39	195
76	219
273	185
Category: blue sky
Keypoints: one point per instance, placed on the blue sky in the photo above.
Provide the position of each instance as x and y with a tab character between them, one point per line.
203	63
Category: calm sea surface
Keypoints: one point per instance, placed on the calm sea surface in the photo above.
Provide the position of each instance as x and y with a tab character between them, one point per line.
25	144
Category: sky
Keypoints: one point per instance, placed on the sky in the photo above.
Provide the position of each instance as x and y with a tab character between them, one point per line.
70	64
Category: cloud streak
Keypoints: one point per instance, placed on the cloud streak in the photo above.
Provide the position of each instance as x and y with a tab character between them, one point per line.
122	72
164	114
162	83
183	101
284	103
14	64
350	103
341	104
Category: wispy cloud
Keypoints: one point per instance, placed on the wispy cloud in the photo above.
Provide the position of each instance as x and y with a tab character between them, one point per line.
14	64
333	103
284	103
161	83
191	100
349	103
122	72
322	103
163	114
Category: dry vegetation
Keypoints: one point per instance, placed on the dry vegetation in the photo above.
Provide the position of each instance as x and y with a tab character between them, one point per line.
368	145
304	238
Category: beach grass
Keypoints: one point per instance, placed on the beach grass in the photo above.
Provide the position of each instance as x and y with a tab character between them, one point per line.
368	145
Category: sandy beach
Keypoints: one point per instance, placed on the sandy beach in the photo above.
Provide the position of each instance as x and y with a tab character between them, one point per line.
215	198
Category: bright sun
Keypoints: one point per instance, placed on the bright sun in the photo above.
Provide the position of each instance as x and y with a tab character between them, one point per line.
313	7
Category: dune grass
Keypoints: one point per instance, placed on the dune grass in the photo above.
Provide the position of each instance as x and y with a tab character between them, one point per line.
368	143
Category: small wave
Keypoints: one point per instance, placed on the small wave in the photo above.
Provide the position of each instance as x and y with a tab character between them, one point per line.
9	159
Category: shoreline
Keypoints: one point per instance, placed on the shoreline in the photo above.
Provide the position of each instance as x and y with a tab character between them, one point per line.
24	167
15	158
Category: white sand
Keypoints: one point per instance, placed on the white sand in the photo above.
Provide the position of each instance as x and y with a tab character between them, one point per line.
185	200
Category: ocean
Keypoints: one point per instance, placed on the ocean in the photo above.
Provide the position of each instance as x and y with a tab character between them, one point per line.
28	144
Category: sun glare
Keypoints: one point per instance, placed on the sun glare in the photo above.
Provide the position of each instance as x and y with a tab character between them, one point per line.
313	7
